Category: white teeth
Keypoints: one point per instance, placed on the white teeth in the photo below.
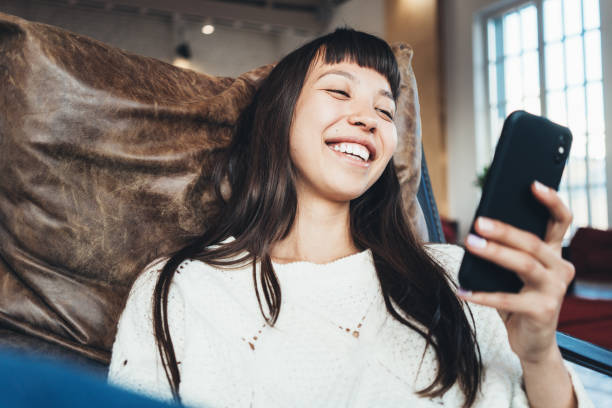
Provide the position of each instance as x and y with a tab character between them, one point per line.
353	148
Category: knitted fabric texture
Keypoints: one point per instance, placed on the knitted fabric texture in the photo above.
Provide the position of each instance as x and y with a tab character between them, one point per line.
334	343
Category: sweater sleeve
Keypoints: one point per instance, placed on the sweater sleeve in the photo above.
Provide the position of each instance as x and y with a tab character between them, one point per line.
502	365
503	376
135	361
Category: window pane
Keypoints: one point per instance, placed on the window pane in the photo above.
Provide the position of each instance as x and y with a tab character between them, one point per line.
529	24
597	170
492	84
554	66
597	150
572	17
513	80
591	13
592	49
574	61
599	208
552	20
578	152
576	115
491	38
563	190
555	103
497	120
595	106
564	195
577	173
532	105
514	105
531	69
512	34
580	207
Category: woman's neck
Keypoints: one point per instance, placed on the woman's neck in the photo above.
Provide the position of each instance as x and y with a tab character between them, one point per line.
320	234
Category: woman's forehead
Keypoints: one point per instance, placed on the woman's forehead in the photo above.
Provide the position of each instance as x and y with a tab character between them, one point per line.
348	69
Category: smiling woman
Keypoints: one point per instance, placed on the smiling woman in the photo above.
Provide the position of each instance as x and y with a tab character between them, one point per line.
370	316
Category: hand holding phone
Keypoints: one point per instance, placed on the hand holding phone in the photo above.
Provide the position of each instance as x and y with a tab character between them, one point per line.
522	241
531	316
530	148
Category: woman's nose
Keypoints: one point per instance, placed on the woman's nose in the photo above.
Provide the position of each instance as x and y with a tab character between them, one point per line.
366	122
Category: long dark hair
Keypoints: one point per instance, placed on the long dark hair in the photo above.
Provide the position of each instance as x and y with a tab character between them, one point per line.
262	206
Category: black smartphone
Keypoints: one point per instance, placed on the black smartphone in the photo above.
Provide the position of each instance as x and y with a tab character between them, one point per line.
530	148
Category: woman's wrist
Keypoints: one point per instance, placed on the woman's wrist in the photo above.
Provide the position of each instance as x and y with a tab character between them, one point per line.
547	381
550	355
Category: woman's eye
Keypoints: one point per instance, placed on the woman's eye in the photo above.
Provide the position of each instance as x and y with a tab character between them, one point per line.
386	113
339	92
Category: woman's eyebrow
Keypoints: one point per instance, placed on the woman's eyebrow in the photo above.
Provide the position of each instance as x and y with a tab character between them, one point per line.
345	74
351	77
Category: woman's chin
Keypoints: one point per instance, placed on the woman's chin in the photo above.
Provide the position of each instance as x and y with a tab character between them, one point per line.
343	193
342	188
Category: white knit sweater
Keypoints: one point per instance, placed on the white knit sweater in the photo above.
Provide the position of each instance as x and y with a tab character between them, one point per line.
334	344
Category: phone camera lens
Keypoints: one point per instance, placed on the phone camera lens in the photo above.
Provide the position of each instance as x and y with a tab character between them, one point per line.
559	155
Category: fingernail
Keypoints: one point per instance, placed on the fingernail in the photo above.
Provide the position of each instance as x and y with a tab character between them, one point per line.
476	241
485	224
464	292
541	187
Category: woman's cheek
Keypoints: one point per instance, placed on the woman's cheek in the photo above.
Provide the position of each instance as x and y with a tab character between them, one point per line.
390	142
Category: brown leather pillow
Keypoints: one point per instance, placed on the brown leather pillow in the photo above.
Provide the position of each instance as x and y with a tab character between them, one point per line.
104	158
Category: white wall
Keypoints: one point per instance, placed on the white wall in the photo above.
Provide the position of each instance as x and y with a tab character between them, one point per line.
228	51
144	35
457	26
363	15
466	115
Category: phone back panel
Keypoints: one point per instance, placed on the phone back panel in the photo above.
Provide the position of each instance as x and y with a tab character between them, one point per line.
528	150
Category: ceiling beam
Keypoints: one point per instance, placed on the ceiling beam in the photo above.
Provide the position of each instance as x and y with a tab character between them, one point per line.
306	21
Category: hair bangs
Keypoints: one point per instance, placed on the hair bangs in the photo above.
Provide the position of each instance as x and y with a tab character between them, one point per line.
347	45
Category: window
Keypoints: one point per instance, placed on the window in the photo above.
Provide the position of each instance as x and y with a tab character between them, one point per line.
544	57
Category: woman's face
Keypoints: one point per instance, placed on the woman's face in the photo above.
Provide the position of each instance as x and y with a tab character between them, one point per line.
343	134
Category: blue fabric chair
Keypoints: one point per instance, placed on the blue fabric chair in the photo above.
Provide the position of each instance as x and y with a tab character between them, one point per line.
31	381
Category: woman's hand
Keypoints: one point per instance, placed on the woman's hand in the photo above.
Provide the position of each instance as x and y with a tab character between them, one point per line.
531	315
